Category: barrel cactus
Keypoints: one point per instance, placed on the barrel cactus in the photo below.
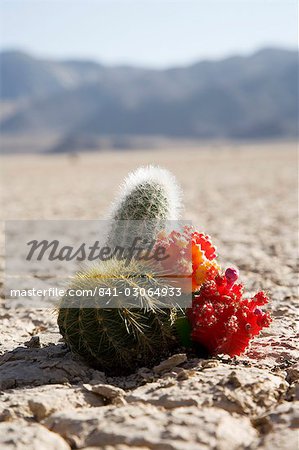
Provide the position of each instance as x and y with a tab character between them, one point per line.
136	331
117	333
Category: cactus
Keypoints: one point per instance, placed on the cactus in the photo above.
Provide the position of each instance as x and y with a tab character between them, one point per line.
148	198
120	337
149	193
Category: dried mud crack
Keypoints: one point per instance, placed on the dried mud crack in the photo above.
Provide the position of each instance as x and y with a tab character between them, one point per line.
245	198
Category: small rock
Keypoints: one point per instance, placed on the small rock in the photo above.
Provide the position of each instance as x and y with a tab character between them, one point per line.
34	342
293	373
6	415
209	363
170	363
186	374
113	394
39	409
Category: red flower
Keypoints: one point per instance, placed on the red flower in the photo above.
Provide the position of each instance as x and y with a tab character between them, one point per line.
191	255
221	320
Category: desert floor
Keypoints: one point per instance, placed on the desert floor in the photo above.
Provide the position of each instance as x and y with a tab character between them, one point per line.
245	197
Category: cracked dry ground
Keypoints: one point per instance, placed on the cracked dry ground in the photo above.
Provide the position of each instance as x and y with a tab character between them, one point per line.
245	198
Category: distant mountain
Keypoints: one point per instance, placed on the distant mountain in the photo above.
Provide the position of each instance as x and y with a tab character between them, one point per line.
23	76
237	97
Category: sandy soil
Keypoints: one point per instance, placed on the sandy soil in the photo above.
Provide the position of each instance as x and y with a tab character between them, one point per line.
245	197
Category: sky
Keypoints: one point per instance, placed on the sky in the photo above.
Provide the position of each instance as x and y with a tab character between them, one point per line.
152	33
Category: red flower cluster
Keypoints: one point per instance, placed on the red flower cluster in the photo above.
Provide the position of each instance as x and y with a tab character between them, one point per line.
190	255
205	243
221	320
204	266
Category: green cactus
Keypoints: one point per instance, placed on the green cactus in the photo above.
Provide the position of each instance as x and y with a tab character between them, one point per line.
149	193
148	198
120	339
128	335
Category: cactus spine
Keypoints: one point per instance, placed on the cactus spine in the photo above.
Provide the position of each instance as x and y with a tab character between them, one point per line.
118	339
149	193
148	198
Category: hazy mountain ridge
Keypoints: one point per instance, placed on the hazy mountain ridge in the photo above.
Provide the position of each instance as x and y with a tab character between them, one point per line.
246	97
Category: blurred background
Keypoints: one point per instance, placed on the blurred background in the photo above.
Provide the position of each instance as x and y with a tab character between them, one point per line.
90	90
87	75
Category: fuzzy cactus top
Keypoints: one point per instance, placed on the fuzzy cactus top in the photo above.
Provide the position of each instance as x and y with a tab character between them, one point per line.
148	193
